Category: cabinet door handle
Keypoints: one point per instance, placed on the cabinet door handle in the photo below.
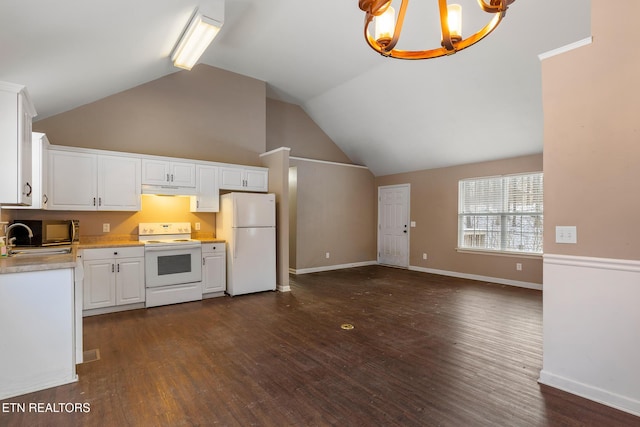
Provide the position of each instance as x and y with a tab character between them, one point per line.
99	201
118	268
28	190
94	201
112	268
202	261
45	199
167	177
171	177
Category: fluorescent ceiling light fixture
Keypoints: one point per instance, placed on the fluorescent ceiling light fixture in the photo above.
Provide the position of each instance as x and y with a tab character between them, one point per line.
195	40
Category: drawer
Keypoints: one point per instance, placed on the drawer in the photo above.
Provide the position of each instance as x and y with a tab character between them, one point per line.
212	248
116	252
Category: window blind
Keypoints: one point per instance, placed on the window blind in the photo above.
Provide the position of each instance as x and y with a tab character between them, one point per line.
501	213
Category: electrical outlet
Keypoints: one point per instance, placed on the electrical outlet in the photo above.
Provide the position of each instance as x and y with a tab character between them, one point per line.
197	226
518	266
327	255
424	256
106	228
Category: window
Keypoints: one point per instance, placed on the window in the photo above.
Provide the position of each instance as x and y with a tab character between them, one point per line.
501	213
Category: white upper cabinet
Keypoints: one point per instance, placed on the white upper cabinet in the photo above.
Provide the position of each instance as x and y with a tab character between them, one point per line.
207	198
244	178
16	114
118	183
39	198
86	181
168	173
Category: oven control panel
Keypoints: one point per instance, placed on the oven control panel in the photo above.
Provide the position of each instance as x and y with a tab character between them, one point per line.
163	228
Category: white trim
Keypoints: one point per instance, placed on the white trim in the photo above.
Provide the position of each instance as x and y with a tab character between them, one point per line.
499	253
275	151
331	267
326	162
596	394
565	48
589	262
498	280
285	288
590	345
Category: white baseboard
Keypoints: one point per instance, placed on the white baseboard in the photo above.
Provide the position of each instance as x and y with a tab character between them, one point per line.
498	280
282	288
331	267
596	394
518	283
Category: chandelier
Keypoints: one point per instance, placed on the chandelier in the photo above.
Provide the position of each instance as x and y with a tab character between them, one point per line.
387	27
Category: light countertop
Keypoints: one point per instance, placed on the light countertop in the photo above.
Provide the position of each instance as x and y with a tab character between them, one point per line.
26	263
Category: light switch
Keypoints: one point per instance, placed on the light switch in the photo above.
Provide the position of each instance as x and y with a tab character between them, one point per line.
566	234
413	224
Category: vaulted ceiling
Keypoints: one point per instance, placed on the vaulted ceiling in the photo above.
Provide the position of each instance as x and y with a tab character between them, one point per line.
480	104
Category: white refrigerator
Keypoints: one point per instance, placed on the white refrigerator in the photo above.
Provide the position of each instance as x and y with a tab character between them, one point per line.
247	222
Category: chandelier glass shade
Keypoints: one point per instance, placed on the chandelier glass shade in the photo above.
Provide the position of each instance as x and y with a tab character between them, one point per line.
387	27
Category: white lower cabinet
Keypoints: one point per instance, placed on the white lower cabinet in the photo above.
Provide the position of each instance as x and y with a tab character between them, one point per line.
113	277
214	277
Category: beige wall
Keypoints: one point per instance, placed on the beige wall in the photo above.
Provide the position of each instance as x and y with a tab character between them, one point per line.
289	126
278	163
591	140
293	215
206	114
434	208
591	101
335	212
124	225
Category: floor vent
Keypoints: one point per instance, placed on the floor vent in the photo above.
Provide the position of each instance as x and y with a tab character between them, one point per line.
91	355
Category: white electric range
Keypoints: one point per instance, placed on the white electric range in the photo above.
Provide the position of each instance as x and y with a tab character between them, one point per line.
173	263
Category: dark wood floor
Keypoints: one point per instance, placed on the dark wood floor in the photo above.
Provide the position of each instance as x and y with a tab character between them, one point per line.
425	350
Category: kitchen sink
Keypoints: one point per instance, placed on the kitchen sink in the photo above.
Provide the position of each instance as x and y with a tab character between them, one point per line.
20	252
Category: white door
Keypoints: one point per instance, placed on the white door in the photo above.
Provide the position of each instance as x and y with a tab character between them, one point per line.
118	183
99	284
254	210
393	225
183	174
24	152
213	268
252	263
231	178
155	172
256	180
130	281
207	198
72	180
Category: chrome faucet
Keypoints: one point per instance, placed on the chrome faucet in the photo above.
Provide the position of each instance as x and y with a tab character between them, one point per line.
11	227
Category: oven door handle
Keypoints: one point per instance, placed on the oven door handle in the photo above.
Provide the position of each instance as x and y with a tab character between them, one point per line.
164	248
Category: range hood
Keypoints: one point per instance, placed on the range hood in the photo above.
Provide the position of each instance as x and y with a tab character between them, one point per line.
168	190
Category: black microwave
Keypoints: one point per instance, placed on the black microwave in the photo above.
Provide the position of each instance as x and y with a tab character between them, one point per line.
45	232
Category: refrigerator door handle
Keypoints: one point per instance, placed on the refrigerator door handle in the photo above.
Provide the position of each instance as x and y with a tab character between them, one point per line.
235	215
235	243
